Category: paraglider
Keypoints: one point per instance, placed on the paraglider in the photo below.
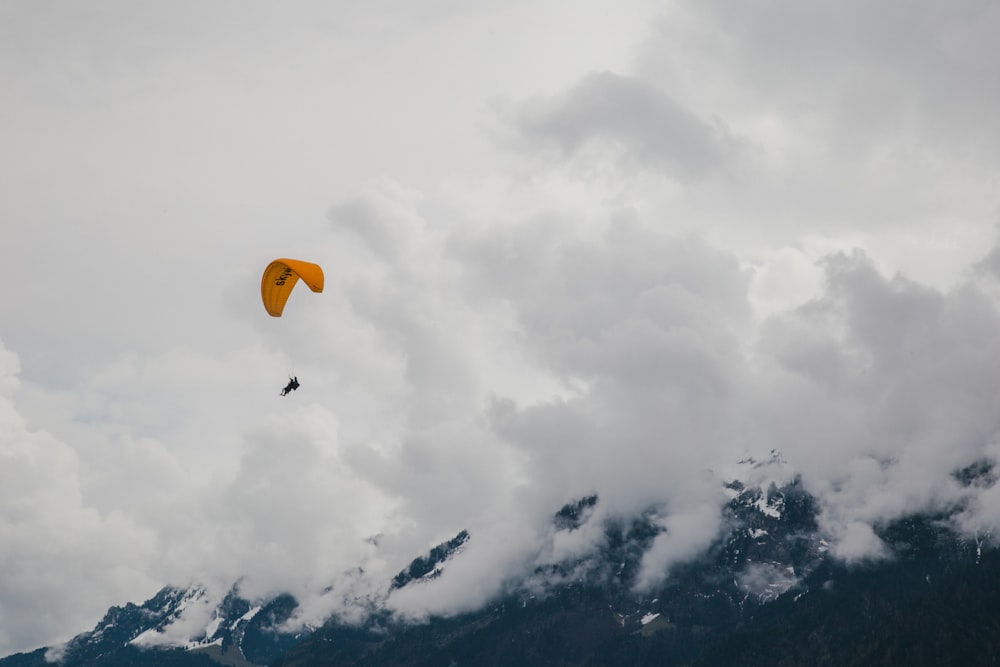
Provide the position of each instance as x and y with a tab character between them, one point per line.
280	277
276	286
293	384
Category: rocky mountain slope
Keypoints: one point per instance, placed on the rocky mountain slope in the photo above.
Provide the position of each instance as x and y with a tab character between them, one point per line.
766	592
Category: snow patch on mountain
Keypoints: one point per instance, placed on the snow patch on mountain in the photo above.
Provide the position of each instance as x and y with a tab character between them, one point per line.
188	623
770	506
247	616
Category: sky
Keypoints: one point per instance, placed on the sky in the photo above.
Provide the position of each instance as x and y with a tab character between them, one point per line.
601	246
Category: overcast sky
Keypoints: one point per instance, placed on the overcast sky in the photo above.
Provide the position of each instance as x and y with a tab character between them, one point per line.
600	246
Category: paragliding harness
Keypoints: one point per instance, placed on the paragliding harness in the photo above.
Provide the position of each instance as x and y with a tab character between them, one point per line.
293	384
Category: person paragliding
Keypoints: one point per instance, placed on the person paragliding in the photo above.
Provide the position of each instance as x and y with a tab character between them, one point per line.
293	384
276	286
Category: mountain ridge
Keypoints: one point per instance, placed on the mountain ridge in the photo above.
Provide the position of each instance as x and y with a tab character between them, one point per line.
769	556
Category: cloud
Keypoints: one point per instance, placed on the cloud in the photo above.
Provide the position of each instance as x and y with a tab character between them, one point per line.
687	533
631	120
296	517
767	580
662	376
55	545
890	392
869	77
865	127
632	367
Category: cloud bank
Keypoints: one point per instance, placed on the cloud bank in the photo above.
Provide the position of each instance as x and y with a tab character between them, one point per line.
651	377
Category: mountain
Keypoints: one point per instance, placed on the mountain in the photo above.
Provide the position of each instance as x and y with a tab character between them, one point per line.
765	592
238	634
771	542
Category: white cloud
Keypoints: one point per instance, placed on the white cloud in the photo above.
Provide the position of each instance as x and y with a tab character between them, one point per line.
56	546
687	533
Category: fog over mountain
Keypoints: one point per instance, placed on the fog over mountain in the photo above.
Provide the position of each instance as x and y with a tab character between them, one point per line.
638	247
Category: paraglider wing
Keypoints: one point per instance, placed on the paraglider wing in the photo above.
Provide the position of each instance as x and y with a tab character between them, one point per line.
280	277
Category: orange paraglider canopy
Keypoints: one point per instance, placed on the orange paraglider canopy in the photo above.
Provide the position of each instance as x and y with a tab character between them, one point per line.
280	277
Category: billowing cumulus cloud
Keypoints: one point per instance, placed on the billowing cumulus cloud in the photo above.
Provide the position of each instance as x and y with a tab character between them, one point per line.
878	390
54	541
906	370
764	228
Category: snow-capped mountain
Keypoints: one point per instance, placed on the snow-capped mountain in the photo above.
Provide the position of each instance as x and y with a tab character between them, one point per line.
236	628
769	551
